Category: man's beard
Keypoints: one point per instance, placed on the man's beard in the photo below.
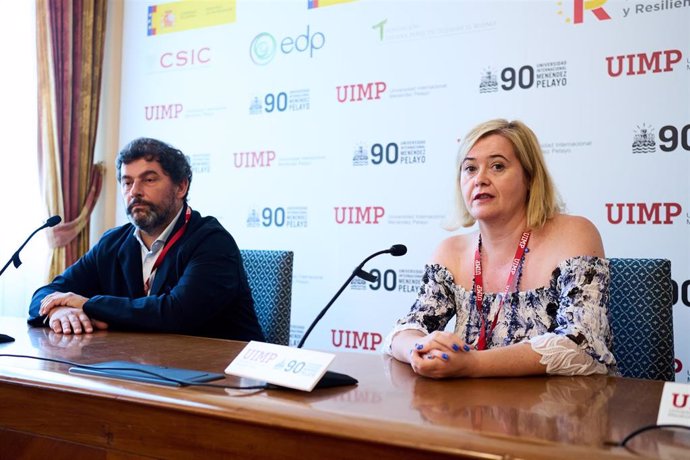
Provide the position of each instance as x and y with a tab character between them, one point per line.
154	218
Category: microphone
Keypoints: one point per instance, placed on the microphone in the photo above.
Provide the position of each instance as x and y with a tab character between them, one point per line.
334	379
51	222
395	250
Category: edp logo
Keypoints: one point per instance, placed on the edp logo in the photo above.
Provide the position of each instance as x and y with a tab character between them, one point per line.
264	46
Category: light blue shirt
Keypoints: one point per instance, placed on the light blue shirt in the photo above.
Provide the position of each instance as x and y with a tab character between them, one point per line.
148	257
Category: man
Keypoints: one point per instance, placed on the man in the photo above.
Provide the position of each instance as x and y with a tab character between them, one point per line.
170	270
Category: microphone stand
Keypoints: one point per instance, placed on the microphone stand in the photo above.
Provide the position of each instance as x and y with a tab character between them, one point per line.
330	378
15	257
356	272
51	222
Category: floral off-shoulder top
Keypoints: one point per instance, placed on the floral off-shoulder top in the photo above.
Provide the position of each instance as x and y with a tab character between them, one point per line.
565	322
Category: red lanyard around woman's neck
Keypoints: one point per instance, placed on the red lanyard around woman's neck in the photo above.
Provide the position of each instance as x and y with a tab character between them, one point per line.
479	285
159	260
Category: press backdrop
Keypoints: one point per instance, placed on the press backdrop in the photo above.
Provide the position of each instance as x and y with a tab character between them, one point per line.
330	128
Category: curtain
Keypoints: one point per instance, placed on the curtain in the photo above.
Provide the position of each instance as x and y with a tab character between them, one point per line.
69	39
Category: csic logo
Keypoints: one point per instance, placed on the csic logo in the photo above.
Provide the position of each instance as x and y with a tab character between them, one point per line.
358	215
185	58
543	75
579	8
262	159
264	47
355	339
641	63
670	139
642	213
162	112
360	91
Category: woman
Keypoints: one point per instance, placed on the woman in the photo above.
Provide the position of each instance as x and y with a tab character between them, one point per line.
539	275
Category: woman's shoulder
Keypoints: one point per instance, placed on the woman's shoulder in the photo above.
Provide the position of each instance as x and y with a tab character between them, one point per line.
454	254
570	236
452	248
568	220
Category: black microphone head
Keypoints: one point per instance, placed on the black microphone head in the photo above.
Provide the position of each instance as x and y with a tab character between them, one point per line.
398	250
53	221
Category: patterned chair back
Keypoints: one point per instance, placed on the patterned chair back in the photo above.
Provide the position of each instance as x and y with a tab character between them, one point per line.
270	278
641	312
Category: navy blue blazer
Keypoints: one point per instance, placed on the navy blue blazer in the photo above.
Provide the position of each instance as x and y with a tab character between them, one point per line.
200	288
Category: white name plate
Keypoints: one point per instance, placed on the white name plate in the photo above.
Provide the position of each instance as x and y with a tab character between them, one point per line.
675	405
280	365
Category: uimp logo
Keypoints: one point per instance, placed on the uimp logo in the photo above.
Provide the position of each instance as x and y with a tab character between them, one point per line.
358	214
579	8
641	63
355	339
162	111
642	213
358	92
260	159
680	400
264	46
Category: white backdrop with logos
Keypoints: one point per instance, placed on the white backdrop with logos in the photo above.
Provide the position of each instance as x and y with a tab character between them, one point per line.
330	128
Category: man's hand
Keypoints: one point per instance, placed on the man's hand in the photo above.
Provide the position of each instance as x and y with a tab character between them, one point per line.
66	320
61	299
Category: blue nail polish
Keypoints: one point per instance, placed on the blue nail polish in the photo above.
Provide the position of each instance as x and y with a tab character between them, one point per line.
455	347
418	346
466	347
444	356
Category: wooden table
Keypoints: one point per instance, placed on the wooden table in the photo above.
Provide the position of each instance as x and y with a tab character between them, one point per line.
45	412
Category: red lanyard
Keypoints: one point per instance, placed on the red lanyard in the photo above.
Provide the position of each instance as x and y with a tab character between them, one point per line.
159	260
510	284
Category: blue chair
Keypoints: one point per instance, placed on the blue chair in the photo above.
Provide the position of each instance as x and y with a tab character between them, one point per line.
641	312
270	278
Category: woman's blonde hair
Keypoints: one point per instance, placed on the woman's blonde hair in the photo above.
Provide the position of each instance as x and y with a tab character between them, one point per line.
542	199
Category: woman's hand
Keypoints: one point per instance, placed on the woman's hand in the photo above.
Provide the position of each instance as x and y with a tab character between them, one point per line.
441	354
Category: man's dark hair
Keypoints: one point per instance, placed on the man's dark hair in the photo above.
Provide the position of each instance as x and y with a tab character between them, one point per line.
173	161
